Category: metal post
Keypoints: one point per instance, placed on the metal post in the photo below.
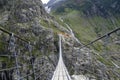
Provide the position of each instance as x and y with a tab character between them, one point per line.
11	48
106	41
32	60
17	65
3	76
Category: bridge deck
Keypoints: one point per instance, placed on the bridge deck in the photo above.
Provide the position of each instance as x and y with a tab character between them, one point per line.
61	72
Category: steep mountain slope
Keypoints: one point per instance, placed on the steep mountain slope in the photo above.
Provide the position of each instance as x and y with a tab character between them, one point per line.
29	20
90	19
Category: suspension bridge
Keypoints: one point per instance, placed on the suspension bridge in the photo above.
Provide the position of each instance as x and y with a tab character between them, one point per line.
6	72
61	72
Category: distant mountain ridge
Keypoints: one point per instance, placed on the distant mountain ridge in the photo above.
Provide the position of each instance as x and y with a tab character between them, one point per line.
88	7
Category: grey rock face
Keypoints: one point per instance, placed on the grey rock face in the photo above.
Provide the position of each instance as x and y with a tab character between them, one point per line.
46	68
27	10
75	59
84	62
24	21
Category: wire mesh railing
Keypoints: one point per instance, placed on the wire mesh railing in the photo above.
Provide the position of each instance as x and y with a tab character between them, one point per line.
106	35
13	57
13	61
106	41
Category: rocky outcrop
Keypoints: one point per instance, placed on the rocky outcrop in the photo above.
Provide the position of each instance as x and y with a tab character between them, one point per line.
86	63
24	19
27	10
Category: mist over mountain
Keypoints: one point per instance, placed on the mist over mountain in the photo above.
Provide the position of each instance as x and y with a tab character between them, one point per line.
53	4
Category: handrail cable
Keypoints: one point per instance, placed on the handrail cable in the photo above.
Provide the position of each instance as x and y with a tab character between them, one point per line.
17	36
107	34
26	41
10	33
12	56
7	69
29	74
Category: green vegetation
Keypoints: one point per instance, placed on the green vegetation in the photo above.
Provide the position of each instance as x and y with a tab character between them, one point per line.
2	46
105	61
105	8
88	29
49	24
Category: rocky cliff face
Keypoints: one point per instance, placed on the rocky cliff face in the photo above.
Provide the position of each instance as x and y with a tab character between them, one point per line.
23	18
25	11
84	63
29	20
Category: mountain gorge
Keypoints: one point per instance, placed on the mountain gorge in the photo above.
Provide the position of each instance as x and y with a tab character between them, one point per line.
89	20
78	21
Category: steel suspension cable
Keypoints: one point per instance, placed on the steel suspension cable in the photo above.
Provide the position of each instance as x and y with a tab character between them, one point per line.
107	34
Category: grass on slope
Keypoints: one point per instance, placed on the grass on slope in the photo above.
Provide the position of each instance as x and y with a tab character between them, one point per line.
80	26
88	29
